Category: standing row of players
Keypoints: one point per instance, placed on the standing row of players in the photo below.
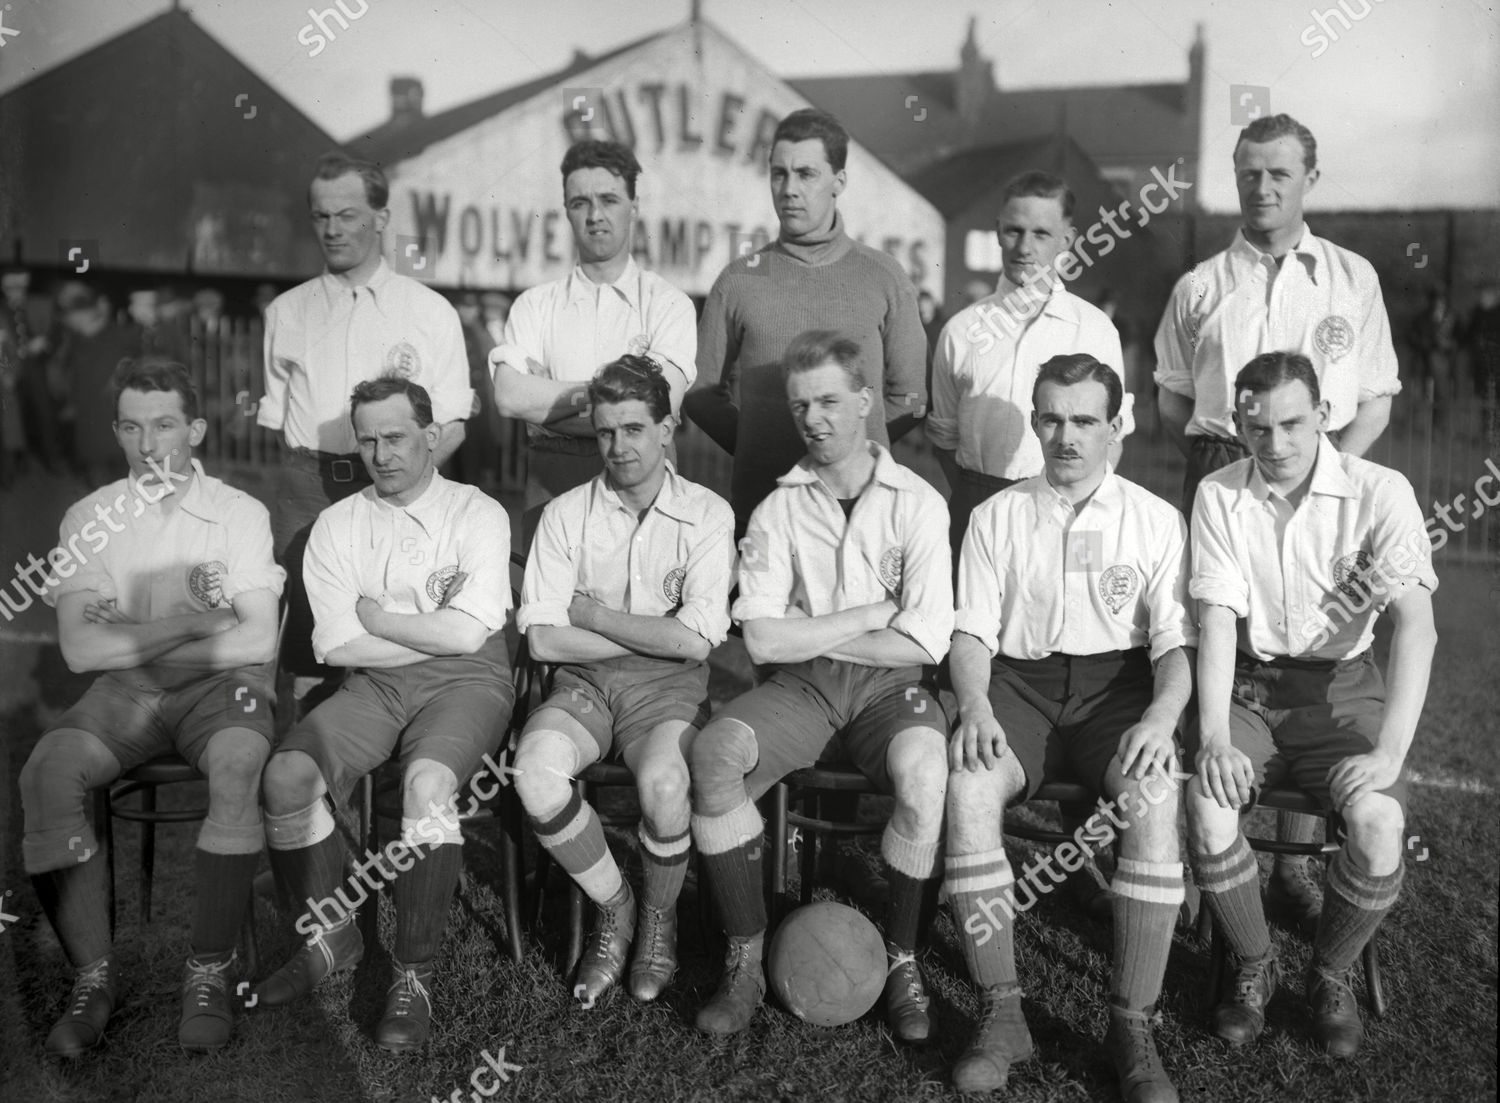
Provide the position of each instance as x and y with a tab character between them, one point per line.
845	589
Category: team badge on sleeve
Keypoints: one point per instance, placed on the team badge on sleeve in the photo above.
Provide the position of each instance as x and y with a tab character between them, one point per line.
1351	574
1334	336
438	583
671	586
890	569
403	359
206	583
1118	585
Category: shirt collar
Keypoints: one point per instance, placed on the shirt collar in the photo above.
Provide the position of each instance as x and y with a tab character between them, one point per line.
1308	251
378	285
671	499
888	472
427	510
1107	493
196	499
1328	477
627	286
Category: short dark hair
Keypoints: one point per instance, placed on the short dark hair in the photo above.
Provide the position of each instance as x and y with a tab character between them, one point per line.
1271	369
1268	128
632	378
593	153
807	123
156	373
1041	185
332	165
1076	367
816	347
387	386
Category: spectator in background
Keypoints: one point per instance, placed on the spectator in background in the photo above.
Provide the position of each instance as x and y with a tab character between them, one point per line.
171	305
156	338
265	295
495	308
27	320
94	347
1482	337
476	461
208	308
12	431
1433	342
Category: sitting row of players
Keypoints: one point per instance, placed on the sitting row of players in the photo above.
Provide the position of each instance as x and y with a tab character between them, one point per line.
1072	651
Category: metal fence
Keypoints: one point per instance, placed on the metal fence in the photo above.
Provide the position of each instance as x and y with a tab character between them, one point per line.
1444	452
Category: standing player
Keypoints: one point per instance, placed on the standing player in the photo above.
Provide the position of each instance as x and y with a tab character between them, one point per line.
814	276
174	601
410	586
846	586
1283	543
627	587
987	357
1071	656
354	322
559	334
1275	287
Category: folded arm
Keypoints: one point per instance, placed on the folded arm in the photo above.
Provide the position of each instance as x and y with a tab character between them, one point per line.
660	637
249	641
93	634
796	638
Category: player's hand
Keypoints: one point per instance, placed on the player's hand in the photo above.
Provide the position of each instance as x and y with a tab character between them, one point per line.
105	611
369	611
1225	774
977	739
581	611
1360	774
1146	746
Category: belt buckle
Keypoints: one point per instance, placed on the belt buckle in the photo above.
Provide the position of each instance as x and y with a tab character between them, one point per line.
342	471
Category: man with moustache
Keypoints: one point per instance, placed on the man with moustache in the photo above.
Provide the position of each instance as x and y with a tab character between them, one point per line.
356	321
560	333
1277	287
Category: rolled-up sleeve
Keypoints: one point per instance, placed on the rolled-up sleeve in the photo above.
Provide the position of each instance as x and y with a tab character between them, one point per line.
452	397
1174	344
484	559
87	574
251	564
674	333
1218	577
328	573
270	412
1377	355
927	576
1167	600
765	567
979	582
705	588
942	417
523	333
1400	547
551	573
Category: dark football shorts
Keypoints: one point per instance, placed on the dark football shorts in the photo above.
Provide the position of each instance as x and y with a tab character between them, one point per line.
453	710
620	701
1296	719
829	710
1063	715
146	712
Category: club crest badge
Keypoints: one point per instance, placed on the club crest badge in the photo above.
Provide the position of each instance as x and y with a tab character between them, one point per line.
206	583
1334	336
402	359
1351	574
671	586
1118	585
890	570
439	581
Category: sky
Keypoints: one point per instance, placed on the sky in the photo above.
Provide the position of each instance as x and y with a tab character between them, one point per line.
1403	95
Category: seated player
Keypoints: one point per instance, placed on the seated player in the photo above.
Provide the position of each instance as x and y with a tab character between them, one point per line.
409	582
173	599
846	588
1069	662
1296	551
627	588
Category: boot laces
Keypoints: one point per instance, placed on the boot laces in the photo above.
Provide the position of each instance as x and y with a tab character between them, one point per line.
204	977
87	982
1136	1034
1335	992
736	962
652	921
409	986
905	960
1251	983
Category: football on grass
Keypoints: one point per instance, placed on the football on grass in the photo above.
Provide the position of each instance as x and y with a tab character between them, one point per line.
827	964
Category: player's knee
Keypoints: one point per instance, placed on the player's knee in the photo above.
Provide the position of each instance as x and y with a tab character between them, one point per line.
1374	819
71	757
1151	799
233	763
724	752
919	772
663	787
545	764
1211	828
55	782
427	789
291	781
